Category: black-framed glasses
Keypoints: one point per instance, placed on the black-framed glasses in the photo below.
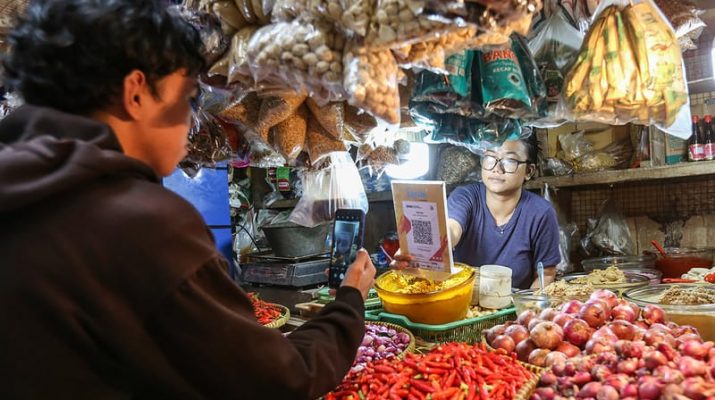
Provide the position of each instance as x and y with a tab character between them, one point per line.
508	165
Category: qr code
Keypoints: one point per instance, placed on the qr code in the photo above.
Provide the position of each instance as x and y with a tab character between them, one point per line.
422	232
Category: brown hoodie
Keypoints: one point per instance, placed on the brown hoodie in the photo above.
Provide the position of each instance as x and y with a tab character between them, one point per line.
111	288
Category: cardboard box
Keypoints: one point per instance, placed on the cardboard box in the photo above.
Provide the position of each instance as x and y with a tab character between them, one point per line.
599	135
657	148
676	149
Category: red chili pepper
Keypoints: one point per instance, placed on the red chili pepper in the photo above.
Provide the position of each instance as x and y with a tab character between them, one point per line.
385	369
422	386
710	278
265	312
678	280
450	379
417	393
445	394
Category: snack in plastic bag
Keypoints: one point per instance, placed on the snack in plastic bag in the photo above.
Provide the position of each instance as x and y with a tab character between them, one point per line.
358	124
330	116
244	112
684	16
555	46
290	134
532	76
239	68
609	235
329	189
230	16
262	155
356	16
556	167
431	54
402	22
456	163
320	143
574	145
304	56
213	39
221	66
629	69
207	142
371	82
274	110
503	88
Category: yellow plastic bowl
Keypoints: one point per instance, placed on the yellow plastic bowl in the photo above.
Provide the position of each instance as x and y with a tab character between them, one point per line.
434	308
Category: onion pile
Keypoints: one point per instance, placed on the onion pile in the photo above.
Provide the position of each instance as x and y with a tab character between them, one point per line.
380	342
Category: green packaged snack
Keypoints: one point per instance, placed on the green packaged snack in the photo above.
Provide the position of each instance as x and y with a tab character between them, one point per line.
503	88
532	77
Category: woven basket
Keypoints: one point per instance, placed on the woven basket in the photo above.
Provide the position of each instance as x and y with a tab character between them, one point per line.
410	347
280	321
529	387
8	10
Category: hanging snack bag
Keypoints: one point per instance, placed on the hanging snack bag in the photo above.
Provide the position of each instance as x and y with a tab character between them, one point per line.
401	22
330	116
320	143
275	110
534	82
432	54
371	82
503	88
239	68
290	134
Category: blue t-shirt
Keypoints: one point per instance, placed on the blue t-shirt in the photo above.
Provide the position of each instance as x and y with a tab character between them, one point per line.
530	236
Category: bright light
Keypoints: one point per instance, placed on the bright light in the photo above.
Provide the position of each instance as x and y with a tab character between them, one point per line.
414	165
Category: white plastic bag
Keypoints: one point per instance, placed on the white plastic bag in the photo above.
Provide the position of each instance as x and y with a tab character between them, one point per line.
327	190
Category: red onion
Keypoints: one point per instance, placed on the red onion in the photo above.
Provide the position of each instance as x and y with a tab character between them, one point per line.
668	375
548	378
577	332
617	381
630	349
594	313
606	295
627	366
649	390
554	357
630	390
653	314
607	393
694	388
684	330
667	350
533	323
545	393
641	324
571	307
538	357
504	342
654	359
517	333
660	327
595	346
652	338
696	349
590	390
692	367
581	378
623	312
525	317
562	318
547	335
605	333
569	349
495	331
622	329
601	372
524	348
548	314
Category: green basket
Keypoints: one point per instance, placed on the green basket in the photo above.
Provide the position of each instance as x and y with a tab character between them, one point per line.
467	330
372	303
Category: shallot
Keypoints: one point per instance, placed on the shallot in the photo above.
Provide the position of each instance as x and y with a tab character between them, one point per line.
594	313
504	342
653	314
538	357
606	295
577	332
547	335
517	333
571	307
525	317
623	312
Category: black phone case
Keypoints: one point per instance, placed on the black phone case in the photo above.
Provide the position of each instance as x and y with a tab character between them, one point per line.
337	272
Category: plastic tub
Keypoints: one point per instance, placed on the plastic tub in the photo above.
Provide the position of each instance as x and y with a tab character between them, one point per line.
475	290
438	307
526	300
700	316
681	259
494	286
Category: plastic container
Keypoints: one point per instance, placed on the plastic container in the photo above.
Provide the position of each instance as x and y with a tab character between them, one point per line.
644	265
494	286
700	316
439	307
475	291
681	259
526	300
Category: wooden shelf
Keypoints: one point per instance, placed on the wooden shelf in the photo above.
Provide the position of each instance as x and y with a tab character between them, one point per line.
627	175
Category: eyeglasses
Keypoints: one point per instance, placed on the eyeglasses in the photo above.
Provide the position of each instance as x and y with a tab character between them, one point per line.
508	165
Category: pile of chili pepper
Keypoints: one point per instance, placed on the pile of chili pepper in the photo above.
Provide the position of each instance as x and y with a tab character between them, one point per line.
265	312
451	371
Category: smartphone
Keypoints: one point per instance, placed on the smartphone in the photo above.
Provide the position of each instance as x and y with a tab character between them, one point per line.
348	236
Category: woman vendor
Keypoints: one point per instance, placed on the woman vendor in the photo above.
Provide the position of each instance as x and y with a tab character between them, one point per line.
498	222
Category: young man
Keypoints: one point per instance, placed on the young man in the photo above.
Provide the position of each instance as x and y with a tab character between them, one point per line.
110	285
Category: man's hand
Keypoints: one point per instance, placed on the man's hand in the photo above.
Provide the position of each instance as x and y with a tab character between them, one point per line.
361	273
549	277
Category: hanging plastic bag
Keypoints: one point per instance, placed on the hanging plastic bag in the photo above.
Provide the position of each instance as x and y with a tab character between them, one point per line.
456	164
609	235
503	87
431	55
532	77
327	190
630	69
567	231
371	82
239	66
213	39
263	155
207	143
274	110
331	116
319	143
684	16
290	134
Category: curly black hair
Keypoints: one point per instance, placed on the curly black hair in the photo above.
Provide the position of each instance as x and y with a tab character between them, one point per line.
73	55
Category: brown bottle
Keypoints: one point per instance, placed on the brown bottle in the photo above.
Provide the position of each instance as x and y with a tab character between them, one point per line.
696	149
709	136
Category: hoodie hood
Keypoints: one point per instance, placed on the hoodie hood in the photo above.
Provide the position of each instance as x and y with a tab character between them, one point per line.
45	153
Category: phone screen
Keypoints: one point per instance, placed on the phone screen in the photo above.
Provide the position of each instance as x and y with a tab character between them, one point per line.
347	241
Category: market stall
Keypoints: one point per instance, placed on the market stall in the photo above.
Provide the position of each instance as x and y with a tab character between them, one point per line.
312	106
